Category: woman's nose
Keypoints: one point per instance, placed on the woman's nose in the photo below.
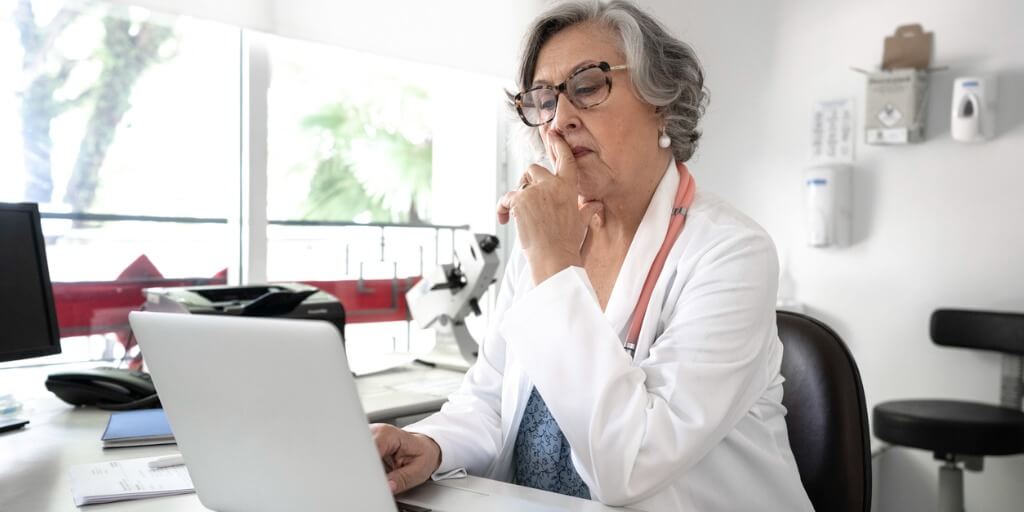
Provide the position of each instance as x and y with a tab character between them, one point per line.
567	116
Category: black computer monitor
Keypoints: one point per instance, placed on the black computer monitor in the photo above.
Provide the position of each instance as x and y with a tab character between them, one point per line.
28	320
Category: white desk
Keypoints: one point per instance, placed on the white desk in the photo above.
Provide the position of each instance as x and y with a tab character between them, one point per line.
34	461
409	390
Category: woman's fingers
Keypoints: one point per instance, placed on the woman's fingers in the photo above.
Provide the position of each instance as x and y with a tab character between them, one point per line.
534	174
408	476
504	208
589	209
408	460
524	181
419	457
386	438
565	161
537	174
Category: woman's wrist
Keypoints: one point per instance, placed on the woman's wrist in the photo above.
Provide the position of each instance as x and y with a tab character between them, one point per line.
430	443
547	266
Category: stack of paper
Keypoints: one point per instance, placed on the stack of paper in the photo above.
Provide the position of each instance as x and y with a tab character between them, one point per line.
137	428
130	479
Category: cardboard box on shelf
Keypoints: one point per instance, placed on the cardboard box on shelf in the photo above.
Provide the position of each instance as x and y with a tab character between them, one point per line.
896	95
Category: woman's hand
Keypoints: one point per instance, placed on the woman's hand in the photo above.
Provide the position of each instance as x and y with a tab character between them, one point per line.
550	222
409	459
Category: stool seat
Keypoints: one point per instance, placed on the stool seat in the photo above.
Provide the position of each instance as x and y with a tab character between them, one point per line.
950	427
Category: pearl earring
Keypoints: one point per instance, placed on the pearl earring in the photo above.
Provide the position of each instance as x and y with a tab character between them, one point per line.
664	141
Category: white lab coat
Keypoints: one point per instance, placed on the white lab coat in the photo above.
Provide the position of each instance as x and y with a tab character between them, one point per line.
694	423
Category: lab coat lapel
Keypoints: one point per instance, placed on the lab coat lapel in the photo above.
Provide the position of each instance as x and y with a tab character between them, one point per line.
516	388
644	247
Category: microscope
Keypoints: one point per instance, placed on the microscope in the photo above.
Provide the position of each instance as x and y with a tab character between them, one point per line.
445	298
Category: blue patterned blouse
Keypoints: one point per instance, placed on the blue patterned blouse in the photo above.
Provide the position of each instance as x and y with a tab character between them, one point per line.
542	459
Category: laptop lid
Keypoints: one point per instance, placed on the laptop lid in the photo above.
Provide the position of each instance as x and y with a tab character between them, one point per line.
265	412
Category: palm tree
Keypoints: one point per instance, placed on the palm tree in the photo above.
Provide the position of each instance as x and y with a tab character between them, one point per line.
368	171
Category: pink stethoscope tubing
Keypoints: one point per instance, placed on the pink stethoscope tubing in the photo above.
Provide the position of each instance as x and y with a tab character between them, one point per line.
681	206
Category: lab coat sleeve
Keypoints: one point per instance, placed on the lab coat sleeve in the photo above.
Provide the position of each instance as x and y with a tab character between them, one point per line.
635	429
468	426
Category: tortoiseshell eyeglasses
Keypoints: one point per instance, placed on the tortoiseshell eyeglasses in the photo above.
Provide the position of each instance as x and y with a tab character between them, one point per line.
586	88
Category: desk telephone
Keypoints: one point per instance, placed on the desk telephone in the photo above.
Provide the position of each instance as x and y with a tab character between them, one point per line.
113	389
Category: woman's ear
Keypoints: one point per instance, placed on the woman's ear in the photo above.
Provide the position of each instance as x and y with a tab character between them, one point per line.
659	118
659	114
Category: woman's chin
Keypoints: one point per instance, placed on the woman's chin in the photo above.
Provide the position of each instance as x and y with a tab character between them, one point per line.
590	192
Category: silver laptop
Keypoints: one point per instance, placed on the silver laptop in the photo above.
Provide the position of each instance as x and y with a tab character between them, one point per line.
265	412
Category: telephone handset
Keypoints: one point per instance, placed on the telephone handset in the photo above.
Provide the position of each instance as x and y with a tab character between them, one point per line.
113	389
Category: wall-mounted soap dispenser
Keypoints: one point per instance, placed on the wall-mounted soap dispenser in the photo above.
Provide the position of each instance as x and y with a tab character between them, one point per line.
827	198
974	114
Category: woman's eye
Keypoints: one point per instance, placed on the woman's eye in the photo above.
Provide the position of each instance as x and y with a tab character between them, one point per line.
584	90
548	105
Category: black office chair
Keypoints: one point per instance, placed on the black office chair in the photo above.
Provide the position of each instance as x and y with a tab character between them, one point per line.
828	417
963	432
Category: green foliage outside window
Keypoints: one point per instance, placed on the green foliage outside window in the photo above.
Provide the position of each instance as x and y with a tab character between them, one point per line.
367	170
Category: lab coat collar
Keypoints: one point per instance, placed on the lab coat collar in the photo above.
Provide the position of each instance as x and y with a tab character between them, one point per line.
642	250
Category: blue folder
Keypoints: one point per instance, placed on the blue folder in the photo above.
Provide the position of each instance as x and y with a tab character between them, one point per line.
137	428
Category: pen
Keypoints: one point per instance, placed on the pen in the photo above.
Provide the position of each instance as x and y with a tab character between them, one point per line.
166	462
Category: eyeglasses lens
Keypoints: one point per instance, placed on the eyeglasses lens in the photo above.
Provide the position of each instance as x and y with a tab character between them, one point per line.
585	89
539	105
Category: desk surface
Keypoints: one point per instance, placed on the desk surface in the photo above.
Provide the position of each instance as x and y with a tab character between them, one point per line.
407	390
34	461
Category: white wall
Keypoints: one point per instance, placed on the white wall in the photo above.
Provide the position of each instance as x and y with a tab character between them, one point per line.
936	224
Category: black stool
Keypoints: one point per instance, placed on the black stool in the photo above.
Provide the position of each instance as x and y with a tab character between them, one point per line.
964	432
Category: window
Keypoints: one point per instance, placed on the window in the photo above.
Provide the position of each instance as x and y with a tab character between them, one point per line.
124	127
350	135
357	139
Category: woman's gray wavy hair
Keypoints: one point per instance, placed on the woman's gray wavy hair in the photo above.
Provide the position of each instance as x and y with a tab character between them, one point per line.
664	70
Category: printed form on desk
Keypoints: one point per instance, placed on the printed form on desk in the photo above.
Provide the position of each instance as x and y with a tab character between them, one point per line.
131	479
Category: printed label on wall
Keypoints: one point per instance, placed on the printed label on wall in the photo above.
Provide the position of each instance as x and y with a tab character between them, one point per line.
832	131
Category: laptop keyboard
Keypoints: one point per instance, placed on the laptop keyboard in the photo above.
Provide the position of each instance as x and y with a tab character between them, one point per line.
405	507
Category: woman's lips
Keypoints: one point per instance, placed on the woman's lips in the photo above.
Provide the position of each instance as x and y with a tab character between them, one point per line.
579	151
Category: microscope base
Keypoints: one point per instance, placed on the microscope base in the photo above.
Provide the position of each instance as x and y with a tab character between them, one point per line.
455	349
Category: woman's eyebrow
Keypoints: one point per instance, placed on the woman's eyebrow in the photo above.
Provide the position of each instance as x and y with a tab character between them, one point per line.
582	64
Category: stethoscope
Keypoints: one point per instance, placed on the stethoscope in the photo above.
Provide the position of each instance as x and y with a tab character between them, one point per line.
681	206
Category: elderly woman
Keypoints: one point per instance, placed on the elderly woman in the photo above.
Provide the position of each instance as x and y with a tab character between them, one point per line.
633	357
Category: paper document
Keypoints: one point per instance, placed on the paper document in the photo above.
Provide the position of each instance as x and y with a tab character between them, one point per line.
130	479
365	363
